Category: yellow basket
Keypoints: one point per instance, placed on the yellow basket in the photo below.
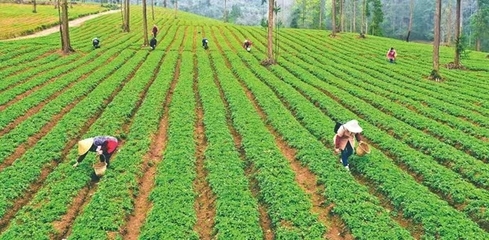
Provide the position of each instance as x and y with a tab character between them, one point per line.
100	167
362	149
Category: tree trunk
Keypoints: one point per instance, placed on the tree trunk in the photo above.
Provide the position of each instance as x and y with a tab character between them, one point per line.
410	27
333	18
145	25
458	47
164	3
354	16
65	35
271	4
35	6
176	8
448	37
125	25
342	17
225	11
364	18
321	13
435	75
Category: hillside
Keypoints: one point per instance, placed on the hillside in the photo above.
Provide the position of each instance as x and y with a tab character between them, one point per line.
215	146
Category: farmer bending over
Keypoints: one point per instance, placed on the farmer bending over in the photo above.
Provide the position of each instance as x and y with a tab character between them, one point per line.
344	140
104	146
391	55
96	42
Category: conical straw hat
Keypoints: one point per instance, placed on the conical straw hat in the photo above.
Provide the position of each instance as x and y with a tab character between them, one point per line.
353	126
84	145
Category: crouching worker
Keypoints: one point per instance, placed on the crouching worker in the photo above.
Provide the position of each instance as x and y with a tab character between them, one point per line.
344	140
247	45
104	146
205	43
95	42
152	43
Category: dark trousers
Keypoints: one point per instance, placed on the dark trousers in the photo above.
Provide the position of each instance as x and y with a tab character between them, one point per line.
346	153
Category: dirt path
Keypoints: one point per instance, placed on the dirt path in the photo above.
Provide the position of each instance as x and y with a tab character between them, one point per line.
74	23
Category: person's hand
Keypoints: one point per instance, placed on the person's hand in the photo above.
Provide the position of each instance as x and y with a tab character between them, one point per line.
337	151
75	165
99	152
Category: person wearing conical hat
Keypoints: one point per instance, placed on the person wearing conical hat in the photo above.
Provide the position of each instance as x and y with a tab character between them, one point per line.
344	140
104	146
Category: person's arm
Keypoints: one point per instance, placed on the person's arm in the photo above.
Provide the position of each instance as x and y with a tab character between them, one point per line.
80	159
359	137
339	134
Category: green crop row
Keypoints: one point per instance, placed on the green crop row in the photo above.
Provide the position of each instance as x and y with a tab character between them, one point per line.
288	206
467	166
60	185
237	214
65	182
24	130
352	201
383	179
173	215
455	80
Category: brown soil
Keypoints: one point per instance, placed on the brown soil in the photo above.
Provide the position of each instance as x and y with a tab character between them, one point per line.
63	226
250	170
151	160
204	204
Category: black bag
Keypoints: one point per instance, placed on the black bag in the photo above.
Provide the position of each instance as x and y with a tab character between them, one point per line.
337	126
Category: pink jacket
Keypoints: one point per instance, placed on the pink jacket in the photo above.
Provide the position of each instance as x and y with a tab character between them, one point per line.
344	136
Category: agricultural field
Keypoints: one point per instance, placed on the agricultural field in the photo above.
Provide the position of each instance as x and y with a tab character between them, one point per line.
19	20
213	145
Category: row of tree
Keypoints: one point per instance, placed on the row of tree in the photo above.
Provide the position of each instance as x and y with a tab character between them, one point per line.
401	19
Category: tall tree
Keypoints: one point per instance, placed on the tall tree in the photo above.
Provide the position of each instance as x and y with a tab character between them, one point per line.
458	40
145	25
342	16
377	18
321	13
125	22
225	11
435	73
270	57
410	26
333	18
65	34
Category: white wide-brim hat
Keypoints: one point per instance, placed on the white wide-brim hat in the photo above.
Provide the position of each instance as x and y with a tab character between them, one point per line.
84	145
353	126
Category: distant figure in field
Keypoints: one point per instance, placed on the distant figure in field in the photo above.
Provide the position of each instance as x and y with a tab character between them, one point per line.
391	55
155	30
344	140
247	45
205	43
152	43
96	42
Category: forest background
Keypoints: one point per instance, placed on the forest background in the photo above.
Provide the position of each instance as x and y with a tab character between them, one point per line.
388	18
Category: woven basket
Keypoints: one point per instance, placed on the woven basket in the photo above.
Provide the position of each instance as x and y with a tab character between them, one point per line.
100	167
362	149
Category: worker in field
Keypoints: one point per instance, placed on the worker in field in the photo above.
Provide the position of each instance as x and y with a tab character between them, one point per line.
96	42
344	140
205	43
103	146
152	43
247	45
391	55
154	30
